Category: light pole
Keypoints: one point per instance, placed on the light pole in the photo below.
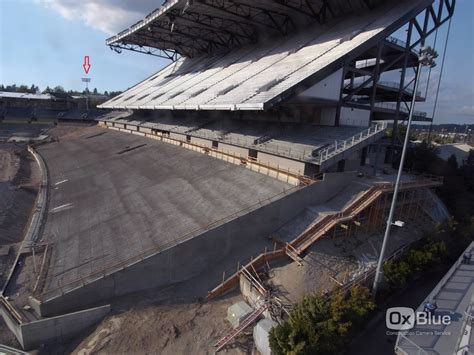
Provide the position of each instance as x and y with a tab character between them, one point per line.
426	58
87	81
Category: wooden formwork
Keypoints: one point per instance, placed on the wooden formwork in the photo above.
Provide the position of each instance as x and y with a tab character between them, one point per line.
368	212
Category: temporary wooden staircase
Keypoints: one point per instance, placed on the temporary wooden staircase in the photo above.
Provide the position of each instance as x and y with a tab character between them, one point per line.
11	310
302	242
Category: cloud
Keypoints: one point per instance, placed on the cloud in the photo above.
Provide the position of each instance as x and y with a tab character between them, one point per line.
467	111
109	16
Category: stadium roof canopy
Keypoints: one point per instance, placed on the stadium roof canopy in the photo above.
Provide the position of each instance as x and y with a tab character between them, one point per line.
192	28
260	76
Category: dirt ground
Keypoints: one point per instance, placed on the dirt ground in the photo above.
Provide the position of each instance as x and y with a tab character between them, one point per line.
167	321
65	131
19	178
189	328
334	261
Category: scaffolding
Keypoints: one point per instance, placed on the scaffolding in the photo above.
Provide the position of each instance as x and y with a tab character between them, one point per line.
367	213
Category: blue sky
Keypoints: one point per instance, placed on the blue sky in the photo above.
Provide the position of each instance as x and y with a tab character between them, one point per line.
43	42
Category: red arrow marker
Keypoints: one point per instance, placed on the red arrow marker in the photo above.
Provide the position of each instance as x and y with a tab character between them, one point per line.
86	64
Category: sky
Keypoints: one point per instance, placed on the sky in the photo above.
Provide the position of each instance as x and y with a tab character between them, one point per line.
43	42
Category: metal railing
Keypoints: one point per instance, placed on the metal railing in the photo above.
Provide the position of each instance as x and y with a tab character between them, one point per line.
395	85
393	106
389	84
396	41
417	350
284	151
340	146
400	43
121	264
468	320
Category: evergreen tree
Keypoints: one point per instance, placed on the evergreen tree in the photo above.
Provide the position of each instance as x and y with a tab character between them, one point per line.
452	163
58	88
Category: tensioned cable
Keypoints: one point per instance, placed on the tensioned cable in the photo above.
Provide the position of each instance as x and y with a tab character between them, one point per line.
441	73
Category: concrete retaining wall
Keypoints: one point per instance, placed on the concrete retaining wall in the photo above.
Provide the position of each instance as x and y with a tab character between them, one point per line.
178	136
285	163
11	323
131	127
145	130
60	328
202	142
228	243
244	152
53	330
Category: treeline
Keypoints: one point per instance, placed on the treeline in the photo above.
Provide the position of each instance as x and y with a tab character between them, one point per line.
445	127
34	89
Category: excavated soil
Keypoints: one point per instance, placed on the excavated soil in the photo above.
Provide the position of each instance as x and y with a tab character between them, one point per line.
19	179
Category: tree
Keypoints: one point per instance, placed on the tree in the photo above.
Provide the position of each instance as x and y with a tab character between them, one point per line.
33	89
58	88
452	163
114	93
467	171
318	325
23	89
426	254
47	90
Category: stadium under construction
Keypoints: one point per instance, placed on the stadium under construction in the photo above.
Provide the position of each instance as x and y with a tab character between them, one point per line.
266	108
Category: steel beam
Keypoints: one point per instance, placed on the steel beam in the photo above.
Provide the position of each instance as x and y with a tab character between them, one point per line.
274	20
162	53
